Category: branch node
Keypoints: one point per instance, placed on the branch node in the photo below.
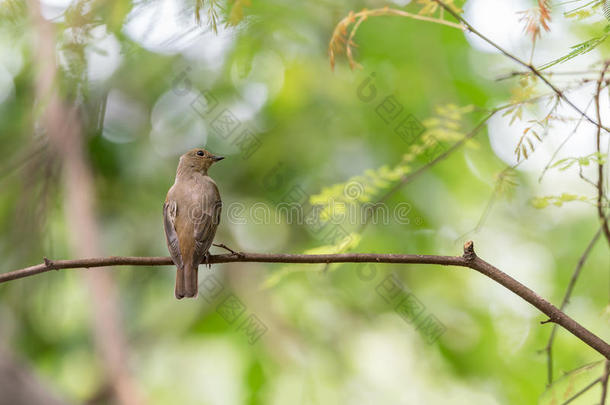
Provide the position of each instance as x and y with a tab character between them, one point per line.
469	253
550	320
49	264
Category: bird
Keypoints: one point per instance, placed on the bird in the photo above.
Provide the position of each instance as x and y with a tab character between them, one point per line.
191	214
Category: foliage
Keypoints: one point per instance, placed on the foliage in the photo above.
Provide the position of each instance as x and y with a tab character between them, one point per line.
558	201
566	163
330	330
443	128
580	49
216	13
536	19
430	7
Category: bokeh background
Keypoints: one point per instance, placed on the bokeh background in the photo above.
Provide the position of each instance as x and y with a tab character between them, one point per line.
98	99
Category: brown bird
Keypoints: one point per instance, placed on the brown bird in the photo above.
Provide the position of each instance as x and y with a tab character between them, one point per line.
191	214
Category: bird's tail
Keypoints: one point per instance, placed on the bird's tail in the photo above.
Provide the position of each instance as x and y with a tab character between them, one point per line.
179	290
190	280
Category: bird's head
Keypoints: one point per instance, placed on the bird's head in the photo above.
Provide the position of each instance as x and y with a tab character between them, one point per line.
198	160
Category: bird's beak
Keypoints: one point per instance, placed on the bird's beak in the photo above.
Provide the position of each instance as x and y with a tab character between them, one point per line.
217	158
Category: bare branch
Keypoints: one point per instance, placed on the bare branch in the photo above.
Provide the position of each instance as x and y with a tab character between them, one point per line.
405	179
582	391
526	65
510	75
469	259
566	298
600	166
604	381
340	39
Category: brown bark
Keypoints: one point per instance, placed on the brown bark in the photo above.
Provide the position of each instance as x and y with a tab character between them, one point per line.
468	259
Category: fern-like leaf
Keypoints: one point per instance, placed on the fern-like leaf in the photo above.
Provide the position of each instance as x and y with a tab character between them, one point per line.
580	49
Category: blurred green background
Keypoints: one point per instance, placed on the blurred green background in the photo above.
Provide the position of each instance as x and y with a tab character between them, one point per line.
149	82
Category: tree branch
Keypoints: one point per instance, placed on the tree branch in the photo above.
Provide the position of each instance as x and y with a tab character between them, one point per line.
407	178
600	165
604	381
469	259
526	65
566	298
339	40
582	391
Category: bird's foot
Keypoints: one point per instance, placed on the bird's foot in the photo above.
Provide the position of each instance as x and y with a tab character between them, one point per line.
207	260
222	245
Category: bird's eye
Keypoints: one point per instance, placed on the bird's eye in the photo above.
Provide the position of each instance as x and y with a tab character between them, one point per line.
200	153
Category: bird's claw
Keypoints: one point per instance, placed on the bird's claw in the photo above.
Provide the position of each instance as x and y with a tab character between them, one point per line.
207	260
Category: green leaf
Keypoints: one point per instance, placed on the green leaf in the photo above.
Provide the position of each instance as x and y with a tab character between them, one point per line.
580	49
540	202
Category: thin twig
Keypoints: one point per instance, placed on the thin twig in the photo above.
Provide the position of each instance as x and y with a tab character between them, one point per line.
405	179
469	259
442	156
582	391
338	39
600	165
561	145
491	201
528	66
604	380
527	72
408	178
564	302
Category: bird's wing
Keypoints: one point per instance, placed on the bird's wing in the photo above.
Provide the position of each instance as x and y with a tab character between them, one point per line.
170	211
205	228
